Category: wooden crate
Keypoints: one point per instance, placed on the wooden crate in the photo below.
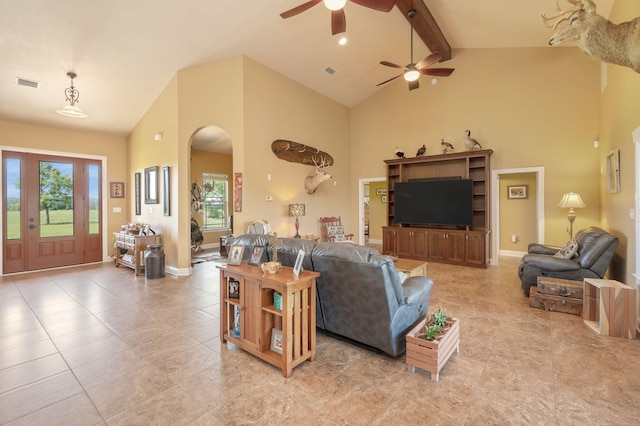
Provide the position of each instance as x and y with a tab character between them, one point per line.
432	355
610	308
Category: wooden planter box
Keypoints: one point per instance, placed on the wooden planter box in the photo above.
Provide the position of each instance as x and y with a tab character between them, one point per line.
432	355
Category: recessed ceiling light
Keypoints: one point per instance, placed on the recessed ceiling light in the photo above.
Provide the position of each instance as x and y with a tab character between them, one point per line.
342	41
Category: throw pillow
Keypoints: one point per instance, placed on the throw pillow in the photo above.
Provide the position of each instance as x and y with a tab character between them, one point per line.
568	250
337	232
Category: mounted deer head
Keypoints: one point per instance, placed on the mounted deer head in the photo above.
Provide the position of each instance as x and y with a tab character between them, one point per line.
597	37
311	183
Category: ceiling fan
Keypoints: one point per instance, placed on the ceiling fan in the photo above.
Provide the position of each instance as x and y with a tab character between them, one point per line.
338	19
412	71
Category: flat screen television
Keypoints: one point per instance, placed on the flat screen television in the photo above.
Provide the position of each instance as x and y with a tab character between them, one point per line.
434	202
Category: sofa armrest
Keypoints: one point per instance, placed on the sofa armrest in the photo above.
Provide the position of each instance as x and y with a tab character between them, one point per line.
542	249
416	289
550	263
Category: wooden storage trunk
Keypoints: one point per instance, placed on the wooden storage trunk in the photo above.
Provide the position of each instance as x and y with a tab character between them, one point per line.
553	303
560	287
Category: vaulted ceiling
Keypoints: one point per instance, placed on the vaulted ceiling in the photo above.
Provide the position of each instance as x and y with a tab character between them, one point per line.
125	52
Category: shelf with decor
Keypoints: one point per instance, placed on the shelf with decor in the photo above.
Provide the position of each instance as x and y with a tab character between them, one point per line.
251	319
468	244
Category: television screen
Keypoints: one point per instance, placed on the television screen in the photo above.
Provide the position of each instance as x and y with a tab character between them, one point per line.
434	202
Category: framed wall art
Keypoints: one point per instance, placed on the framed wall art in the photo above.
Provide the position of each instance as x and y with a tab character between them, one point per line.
166	189
151	185
116	189
137	178
518	191
276	340
613	171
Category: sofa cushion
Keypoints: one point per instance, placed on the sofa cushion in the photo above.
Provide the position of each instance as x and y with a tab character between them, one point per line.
337	232
570	249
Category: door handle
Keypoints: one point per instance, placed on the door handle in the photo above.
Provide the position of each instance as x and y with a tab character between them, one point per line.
32	226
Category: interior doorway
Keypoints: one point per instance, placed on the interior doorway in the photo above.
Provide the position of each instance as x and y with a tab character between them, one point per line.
211	168
369	204
499	196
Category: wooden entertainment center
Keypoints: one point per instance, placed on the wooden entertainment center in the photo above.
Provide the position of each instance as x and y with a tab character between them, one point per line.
468	246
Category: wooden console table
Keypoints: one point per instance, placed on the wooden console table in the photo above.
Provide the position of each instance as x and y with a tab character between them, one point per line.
135	245
258	315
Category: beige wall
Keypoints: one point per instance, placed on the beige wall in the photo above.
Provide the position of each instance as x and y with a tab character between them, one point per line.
144	151
279	108
112	150
212	162
255	106
533	107
518	216
619	108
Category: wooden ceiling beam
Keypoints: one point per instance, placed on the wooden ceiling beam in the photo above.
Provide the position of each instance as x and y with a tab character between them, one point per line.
426	27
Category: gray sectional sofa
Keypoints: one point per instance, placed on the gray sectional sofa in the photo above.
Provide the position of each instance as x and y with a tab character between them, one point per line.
360	295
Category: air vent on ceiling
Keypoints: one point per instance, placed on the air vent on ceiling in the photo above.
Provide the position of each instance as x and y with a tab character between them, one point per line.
27	83
329	70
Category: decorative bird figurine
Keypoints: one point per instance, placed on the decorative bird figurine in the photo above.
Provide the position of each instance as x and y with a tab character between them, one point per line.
446	146
471	142
421	151
399	153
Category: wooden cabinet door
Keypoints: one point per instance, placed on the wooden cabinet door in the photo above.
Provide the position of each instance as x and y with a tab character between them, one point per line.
475	248
420	247
389	243
437	245
404	242
455	243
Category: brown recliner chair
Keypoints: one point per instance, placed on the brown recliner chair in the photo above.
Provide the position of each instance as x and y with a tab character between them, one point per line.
595	251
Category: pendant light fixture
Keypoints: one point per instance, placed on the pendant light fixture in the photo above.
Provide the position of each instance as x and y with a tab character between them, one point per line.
71	95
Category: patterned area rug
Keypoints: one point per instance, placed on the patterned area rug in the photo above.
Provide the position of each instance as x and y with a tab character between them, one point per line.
207	256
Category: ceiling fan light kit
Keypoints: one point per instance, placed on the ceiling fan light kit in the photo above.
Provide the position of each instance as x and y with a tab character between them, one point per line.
412	71
334	4
338	18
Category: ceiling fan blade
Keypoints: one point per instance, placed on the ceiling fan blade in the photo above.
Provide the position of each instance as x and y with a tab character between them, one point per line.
429	60
299	9
438	72
386	81
391	64
414	84
338	21
381	5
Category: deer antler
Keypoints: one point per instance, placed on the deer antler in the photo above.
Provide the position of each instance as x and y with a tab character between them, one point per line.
323	162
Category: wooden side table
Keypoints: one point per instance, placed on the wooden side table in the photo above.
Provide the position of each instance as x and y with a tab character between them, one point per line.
609	308
259	317
135	245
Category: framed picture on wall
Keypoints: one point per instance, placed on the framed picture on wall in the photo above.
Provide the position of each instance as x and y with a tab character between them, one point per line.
518	191
117	189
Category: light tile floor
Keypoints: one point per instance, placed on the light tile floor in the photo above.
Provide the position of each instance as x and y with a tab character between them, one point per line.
97	345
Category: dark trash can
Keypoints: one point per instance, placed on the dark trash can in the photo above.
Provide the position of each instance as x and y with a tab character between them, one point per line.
154	261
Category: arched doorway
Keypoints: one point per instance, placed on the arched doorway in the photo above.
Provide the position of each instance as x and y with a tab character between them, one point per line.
211	169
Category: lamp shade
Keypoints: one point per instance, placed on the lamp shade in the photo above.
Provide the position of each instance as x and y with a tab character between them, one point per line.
296	209
571	200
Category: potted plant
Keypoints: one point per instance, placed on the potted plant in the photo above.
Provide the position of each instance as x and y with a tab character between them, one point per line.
432	341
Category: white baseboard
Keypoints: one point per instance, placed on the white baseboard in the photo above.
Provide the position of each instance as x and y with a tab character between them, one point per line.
178	272
512	253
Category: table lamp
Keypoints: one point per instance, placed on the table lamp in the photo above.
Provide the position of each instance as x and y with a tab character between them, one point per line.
296	210
572	201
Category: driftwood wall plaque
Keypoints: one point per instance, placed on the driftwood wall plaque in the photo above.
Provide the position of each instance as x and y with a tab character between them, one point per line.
296	152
